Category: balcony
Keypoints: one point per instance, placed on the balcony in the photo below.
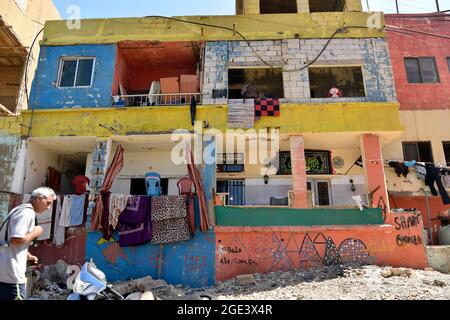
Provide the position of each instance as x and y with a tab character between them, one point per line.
179	99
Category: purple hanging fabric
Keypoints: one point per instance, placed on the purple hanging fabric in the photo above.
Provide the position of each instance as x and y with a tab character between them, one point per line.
135	222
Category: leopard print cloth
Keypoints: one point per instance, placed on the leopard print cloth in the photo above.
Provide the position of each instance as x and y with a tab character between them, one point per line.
169	220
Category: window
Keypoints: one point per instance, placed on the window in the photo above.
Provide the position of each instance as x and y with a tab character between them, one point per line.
76	72
419	151
230	162
421	70
349	81
326	6
447	152
22	4
265	82
448	64
277	6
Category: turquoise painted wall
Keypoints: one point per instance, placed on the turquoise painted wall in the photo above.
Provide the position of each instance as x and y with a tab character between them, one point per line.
237	216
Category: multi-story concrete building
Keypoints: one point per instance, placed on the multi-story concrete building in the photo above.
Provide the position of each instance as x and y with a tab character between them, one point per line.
419	45
132	83
20	24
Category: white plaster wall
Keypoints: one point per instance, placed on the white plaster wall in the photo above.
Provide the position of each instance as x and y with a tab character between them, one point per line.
258	193
341	189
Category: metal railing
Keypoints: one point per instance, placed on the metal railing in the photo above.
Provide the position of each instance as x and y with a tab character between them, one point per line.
168	99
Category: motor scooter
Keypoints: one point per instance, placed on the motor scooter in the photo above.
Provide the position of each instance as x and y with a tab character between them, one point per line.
91	284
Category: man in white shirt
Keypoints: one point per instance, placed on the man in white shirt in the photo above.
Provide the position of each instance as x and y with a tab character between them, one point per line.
17	232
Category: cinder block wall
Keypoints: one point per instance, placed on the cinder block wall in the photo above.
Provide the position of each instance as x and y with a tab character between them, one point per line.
293	54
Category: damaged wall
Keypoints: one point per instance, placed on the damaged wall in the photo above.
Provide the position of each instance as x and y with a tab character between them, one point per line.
45	93
293	54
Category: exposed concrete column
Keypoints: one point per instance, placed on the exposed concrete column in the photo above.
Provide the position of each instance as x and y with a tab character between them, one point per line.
300	192
208	174
374	170
303	6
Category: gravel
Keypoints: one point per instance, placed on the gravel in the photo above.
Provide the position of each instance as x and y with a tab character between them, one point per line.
336	283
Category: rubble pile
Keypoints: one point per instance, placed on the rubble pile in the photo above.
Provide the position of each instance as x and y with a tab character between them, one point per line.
325	283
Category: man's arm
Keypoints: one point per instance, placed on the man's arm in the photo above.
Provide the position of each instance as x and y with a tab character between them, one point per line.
28	238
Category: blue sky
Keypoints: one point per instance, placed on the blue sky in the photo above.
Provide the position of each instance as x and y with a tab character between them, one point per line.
137	8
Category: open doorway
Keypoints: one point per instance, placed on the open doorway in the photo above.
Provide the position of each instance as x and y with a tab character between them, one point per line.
55	162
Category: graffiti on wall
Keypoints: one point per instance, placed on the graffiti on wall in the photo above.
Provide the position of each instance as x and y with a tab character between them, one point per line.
302	251
405	223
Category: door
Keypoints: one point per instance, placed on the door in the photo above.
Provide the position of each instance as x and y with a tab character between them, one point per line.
235	190
323	193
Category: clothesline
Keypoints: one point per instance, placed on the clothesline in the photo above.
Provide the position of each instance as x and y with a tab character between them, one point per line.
419	162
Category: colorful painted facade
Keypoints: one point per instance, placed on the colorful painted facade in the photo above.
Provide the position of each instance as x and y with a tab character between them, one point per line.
424	110
92	92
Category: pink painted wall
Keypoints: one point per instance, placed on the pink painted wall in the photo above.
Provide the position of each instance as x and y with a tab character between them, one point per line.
424	96
374	170
299	179
245	250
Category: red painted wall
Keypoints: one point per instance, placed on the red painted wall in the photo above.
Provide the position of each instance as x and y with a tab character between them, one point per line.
245	250
402	43
418	202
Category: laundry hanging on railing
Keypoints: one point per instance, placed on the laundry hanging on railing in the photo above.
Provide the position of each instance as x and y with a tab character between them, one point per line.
267	107
170	220
117	204
59	232
400	168
135	222
434	177
72	212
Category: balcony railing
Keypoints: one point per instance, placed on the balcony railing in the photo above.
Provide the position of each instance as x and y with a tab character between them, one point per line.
169	99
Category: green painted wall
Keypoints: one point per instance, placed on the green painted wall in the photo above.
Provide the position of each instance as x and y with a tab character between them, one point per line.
255	217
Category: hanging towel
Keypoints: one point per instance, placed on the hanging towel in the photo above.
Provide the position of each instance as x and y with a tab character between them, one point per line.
170	220
134	222
77	210
267	107
117	204
59	232
64	220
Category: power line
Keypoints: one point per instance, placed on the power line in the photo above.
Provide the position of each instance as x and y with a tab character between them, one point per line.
420	32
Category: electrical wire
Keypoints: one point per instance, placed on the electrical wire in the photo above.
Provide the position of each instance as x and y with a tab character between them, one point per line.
30	52
217	27
419	32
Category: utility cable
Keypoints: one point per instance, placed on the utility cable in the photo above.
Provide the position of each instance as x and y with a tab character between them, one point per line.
419	32
26	80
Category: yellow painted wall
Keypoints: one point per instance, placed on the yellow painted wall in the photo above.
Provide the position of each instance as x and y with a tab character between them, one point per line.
430	125
339	117
253	27
11	125
252	6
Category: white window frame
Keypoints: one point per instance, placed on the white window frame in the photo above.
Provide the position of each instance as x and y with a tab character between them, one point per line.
77	59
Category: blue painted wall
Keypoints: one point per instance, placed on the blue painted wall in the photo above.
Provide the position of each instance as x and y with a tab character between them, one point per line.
46	95
189	263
